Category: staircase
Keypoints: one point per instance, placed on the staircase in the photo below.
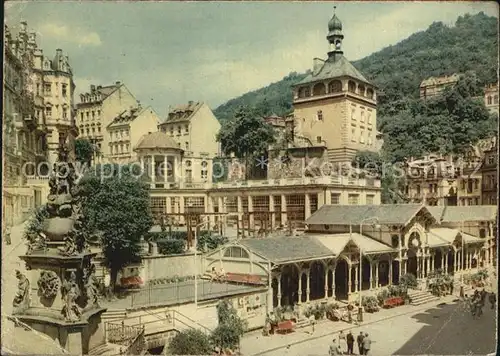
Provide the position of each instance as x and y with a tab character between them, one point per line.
419	297
113	315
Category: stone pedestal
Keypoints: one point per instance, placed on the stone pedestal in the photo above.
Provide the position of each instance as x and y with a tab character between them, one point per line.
44	312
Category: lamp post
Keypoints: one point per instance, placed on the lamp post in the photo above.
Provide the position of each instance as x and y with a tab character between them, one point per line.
360	307
195	243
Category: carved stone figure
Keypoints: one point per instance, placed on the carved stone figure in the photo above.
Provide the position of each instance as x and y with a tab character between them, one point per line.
69	248
71	292
91	287
48	284
36	242
22	297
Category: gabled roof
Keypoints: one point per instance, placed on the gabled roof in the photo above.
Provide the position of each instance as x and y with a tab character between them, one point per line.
448	236
464	213
337	243
108	90
287	249
182	112
387	214
334	68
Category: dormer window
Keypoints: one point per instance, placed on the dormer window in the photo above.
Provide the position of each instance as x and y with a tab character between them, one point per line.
319	89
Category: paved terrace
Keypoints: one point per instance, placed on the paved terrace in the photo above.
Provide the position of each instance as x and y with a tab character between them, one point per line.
178	293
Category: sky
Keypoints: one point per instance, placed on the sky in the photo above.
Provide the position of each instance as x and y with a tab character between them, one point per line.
168	53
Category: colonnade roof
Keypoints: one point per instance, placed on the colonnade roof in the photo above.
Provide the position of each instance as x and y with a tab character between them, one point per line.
387	214
336	243
449	236
464	213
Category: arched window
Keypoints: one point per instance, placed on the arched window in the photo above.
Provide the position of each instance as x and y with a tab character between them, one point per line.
369	93
236	252
361	89
304	92
319	89
489	100
482	233
352	86
335	86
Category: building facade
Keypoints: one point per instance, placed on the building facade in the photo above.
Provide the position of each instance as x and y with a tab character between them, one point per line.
491	98
335	106
433	86
489	175
127	129
95	112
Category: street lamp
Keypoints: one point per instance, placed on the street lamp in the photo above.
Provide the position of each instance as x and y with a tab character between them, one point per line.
196	260
374	219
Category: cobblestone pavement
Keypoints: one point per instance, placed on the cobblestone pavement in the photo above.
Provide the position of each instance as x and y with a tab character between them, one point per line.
407	330
19	340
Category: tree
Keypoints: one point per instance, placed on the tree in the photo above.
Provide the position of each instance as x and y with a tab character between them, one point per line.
247	136
190	342
116	206
84	151
231	327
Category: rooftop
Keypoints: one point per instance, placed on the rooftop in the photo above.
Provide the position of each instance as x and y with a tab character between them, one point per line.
182	112
464	213
157	140
127	116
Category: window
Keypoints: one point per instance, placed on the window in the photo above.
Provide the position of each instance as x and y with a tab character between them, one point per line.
304	92
418	189
187	145
81	116
64	90
361	90
353	199
319	89
353	135
127	147
320	115
87	114
369	199
369	93
48	111
369	118
178	130
99	128
362	137
171	131
236	252
476	184
65	113
491	160
335	198
47	88
93	114
98	113
187	129
121	148
489	100
353	114
93	130
318	139
189	175
204	174
158	206
352	86
335	86
362	119
111	149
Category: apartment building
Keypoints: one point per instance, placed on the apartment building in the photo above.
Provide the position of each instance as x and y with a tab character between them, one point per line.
433	86
491	97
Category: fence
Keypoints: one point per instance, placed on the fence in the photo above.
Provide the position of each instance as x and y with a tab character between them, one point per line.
183	292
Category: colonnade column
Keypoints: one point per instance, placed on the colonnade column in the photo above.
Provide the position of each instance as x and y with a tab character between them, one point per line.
333	281
390	271
427	265
278	295
250	216
307	205
376	274
153	169
455	261
349	282
356	272
299	292
169	205
165	169
239	201
445	264
308	290
283	209
271	210
326	282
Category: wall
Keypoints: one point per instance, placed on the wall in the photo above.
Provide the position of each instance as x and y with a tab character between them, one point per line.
160	266
146	122
204	127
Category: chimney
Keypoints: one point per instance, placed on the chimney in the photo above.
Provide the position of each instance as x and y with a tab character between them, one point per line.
118	83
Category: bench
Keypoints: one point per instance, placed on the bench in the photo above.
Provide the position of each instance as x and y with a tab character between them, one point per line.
393	302
285	326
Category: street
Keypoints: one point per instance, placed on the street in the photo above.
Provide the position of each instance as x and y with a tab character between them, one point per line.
442	330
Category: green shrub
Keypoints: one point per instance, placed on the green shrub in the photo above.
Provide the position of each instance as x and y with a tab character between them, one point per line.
170	247
408	280
231	327
190	342
211	241
370	303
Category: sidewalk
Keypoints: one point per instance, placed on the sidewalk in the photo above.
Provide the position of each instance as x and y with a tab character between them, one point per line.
253	344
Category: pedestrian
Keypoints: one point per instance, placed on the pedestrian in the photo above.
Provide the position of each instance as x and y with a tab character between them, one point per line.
359	340
493	300
451	288
334	349
342	340
367	344
7	235
350	343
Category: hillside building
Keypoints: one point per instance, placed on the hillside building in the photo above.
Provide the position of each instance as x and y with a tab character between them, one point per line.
489	176
491	97
433	86
126	130
335	106
95	112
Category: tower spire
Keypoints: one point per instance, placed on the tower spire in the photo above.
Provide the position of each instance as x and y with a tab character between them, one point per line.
335	36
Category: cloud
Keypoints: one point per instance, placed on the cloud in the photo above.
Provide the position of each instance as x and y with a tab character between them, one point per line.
70	34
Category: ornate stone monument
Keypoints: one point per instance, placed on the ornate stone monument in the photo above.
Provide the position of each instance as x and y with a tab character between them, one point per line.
59	294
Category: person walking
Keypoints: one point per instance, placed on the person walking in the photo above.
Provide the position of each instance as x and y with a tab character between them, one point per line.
350	343
367	344
493	299
7	235
342	340
334	349
359	340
